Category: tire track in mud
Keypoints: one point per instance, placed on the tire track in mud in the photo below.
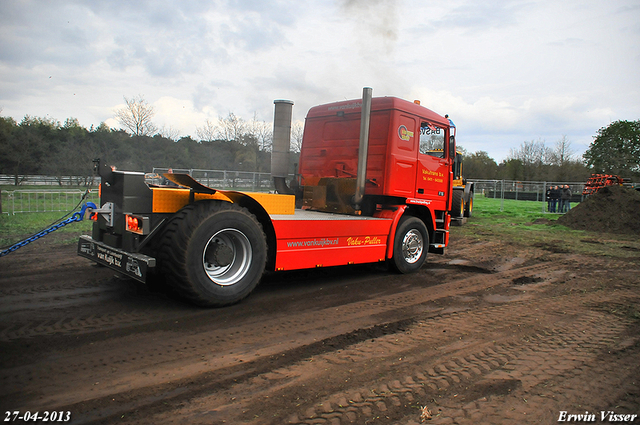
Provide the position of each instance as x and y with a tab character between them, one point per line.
326	350
270	336
63	296
470	372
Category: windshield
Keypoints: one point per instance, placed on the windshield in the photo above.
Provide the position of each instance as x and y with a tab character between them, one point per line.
432	139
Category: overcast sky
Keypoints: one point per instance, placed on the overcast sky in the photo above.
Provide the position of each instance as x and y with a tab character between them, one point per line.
505	71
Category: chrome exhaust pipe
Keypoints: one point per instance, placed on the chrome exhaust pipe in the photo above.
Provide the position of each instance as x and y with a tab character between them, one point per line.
281	145
365	119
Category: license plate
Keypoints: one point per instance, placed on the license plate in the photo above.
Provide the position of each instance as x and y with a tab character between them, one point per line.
133	265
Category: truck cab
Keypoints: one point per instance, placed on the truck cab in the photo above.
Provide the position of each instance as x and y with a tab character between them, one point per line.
409	160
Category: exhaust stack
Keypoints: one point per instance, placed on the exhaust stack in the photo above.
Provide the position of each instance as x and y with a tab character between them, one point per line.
361	177
281	145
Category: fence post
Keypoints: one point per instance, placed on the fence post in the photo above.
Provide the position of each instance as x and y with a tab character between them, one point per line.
502	196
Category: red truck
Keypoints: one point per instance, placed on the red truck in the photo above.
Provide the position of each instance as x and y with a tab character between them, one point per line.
374	184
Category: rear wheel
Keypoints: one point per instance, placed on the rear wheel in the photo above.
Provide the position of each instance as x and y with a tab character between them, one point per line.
457	204
410	246
213	253
469	208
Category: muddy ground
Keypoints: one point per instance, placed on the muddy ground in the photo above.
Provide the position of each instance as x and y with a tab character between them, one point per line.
492	332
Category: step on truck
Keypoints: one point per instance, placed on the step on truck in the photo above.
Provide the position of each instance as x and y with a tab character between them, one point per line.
374	184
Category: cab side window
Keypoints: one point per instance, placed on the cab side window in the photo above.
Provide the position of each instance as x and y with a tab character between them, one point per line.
432	140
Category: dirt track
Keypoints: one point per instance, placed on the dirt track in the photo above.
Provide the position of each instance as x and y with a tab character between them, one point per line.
489	333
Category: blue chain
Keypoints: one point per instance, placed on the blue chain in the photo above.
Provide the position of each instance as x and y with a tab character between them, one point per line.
77	216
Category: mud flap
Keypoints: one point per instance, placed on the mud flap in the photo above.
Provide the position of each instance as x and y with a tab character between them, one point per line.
136	266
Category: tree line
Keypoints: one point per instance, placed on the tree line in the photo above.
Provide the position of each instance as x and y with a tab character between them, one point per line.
531	161
42	146
47	147
614	150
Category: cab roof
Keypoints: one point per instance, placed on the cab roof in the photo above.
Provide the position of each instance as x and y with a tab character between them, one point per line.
377	104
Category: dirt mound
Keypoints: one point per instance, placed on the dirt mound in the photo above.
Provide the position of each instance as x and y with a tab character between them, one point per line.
613	209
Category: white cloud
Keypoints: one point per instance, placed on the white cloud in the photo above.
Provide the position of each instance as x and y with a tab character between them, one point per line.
506	71
181	114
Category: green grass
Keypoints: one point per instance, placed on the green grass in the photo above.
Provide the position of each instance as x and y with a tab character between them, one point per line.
14	228
524	223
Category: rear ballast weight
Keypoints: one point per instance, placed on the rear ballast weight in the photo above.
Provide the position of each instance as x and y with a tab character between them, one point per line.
213	246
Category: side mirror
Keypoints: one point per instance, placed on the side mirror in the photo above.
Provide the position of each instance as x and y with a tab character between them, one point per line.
452	147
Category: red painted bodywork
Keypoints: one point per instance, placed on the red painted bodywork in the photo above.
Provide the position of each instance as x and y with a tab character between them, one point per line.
322	240
394	165
396	171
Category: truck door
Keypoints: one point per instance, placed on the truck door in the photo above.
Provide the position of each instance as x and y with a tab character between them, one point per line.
433	177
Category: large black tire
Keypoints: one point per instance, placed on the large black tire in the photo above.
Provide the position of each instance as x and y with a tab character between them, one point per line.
410	246
213	253
457	204
468	210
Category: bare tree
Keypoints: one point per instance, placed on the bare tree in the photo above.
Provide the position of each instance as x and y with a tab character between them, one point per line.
169	133
136	116
563	151
208	132
533	155
297	130
262	131
231	128
530	153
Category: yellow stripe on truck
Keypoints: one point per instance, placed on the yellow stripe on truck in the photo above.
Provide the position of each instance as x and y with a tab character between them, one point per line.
274	203
171	200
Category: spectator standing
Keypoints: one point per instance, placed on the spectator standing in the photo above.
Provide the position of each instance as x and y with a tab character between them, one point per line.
555	195
548	196
566	198
560	208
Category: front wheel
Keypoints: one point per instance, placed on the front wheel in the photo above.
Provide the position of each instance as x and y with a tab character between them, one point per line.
410	246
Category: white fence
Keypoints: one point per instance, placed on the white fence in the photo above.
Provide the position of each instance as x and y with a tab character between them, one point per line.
532	191
20	201
223	179
26	201
38	180
220	179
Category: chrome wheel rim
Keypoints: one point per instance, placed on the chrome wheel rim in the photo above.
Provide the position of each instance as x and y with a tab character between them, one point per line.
412	246
227	256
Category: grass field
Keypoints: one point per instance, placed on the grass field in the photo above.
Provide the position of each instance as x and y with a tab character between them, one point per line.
48	204
14	228
524	223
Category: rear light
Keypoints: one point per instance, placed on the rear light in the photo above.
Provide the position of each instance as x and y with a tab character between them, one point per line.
136	224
